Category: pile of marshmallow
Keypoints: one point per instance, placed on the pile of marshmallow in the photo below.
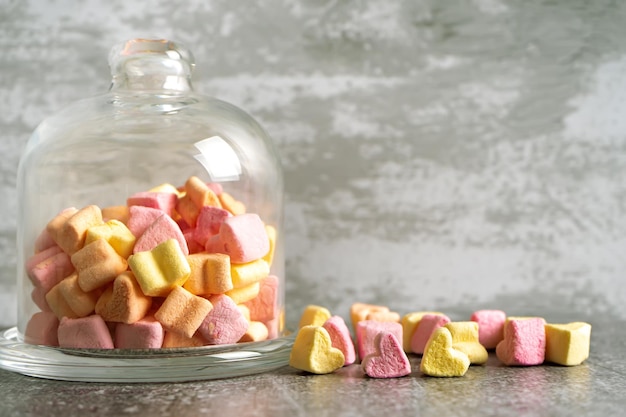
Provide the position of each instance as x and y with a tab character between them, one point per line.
447	348
174	267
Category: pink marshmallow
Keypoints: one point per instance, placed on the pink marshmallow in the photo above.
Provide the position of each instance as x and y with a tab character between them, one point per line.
49	272
340	338
89	332
215	187
225	323
366	331
41	256
388	360
208	224
146	333
524	342
38	295
44	241
490	327
426	327
192	245
41	329
140	218
157	200
244	238
264	307
161	230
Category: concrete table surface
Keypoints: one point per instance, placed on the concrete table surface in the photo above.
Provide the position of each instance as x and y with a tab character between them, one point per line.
595	388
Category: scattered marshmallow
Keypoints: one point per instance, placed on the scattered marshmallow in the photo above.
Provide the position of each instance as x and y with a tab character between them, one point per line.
441	359
367	330
427	326
314	315
567	344
313	351
388	360
340	338
524	342
490	326
465	339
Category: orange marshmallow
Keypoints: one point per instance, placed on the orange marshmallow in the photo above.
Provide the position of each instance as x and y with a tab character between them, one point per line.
210	274
200	193
187	210
120	213
383	316
69	300
233	206
123	301
97	264
359	312
256	332
70	234
177	340
182	312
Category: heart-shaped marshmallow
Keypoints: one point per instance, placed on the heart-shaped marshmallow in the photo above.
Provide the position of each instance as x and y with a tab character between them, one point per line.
389	360
313	352
440	359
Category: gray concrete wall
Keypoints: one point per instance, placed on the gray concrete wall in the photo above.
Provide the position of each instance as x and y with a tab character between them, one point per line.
449	155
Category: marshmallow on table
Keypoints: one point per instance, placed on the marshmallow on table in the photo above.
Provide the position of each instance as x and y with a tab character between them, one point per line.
146	333
388	360
367	330
68	299
89	332
440	358
160	269
256	332
313	352
123	301
48	267
248	273
210	274
141	217
264	306
427	325
182	312
490	326
465	339
340	338
409	322
70	232
41	329
567	344
97	264
162	229
158	200
116	234
524	342
314	315
225	323
359	312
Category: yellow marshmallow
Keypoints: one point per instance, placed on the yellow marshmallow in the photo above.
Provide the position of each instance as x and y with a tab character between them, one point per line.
116	233
568	344
271	234
465	338
440	358
243	294
313	352
249	273
161	269
165	188
314	316
409	322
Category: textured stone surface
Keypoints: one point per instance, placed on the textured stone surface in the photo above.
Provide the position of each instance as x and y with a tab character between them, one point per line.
459	154
594	388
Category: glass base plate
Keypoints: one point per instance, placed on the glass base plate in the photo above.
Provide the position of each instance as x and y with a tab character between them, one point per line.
139	365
